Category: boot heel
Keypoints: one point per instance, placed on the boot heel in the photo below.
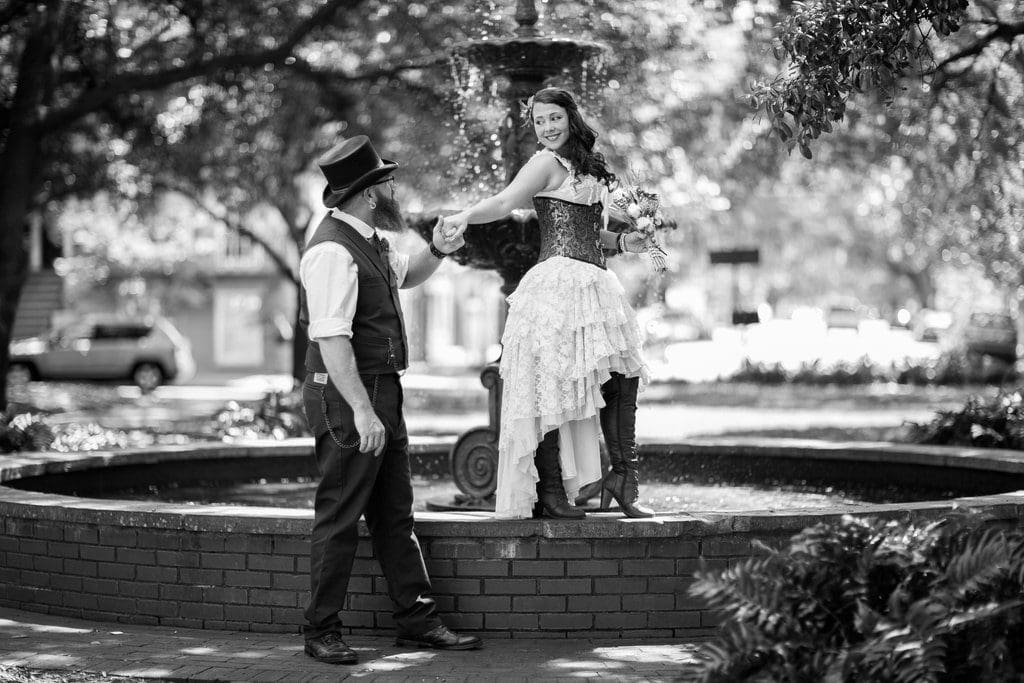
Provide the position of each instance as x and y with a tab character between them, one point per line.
606	498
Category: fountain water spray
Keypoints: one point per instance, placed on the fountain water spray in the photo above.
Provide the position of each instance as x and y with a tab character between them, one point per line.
493	77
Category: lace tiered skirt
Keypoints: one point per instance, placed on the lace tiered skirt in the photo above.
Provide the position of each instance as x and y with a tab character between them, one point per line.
569	327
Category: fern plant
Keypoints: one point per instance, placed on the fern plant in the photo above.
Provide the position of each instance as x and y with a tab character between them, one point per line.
872	600
997	422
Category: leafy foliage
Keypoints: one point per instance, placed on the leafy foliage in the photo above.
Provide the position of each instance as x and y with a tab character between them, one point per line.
24	432
952	367
872	600
933	85
75	438
997	422
840	47
277	416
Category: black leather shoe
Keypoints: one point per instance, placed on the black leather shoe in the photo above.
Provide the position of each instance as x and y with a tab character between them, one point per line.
330	648
441	638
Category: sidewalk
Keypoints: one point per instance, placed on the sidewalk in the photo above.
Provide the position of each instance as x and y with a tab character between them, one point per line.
70	646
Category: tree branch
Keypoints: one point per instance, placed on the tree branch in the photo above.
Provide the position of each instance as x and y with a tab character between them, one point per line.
93	99
327	76
234	226
13	10
1003	31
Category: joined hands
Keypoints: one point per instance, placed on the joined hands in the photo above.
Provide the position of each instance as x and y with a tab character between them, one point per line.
453	227
448	239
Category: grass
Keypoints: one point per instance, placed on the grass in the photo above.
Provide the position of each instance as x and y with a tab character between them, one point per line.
898	434
874	396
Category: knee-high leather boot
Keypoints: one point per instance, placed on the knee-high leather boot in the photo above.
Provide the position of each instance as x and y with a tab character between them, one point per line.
551	496
618	422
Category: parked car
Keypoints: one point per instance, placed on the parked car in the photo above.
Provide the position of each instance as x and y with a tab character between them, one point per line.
843	316
146	351
930	325
990	334
668	326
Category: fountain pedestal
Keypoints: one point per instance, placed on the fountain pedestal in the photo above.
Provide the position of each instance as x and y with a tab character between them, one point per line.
524	63
474	456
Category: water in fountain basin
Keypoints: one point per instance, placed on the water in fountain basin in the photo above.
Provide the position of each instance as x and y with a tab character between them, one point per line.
489	75
665	497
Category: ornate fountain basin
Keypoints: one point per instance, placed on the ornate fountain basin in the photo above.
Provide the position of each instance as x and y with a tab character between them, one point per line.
527	58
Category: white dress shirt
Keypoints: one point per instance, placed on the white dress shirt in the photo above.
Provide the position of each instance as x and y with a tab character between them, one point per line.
331	279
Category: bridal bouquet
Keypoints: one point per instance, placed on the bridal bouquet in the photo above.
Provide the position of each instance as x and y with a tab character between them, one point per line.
644	211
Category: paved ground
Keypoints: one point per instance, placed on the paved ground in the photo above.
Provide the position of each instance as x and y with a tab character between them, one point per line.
70	646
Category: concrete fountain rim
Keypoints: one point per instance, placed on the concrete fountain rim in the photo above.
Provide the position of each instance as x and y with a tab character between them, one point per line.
236	518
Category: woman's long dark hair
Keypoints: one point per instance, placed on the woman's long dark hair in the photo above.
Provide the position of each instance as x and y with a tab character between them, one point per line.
579	147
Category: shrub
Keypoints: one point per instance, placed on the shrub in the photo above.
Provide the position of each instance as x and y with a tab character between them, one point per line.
24	432
861	371
994	423
952	367
872	600
74	438
277	416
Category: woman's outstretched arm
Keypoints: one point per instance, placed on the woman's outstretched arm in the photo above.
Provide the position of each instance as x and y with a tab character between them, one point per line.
536	176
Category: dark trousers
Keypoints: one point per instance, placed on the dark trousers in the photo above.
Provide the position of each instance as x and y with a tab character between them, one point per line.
379	489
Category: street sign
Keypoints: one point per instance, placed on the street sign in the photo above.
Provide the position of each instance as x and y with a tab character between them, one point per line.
735	256
745	317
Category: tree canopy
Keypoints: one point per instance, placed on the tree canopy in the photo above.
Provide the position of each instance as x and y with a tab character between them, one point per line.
938	84
909	110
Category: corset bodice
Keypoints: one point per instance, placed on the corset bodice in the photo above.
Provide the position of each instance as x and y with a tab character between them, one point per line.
570	229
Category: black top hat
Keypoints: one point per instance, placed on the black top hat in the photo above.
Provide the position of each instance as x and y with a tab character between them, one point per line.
351	166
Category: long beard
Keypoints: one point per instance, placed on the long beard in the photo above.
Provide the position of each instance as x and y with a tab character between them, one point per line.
388	217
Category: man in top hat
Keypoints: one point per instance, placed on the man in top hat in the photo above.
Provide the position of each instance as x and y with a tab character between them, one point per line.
353	401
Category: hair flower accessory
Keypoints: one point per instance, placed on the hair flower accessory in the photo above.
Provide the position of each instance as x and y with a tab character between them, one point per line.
526	109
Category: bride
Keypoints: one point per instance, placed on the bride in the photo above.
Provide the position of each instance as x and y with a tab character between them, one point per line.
571	347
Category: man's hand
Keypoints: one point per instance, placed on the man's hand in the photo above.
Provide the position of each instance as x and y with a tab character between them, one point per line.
372	436
442	229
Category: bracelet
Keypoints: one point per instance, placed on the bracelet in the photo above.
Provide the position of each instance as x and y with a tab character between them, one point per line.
621	243
437	253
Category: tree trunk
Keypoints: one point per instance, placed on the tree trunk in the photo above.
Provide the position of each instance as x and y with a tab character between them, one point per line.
920	280
291	210
1020	319
13	268
923	286
299	342
19	174
18	170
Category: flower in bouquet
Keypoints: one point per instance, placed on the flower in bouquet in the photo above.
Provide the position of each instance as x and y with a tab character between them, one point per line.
643	208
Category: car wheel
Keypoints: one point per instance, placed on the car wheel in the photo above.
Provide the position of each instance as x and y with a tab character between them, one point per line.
19	374
148	376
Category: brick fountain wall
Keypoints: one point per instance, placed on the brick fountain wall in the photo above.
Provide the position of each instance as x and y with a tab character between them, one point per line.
246	568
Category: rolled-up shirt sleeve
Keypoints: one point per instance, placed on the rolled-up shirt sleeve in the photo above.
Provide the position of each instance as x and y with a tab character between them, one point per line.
331	280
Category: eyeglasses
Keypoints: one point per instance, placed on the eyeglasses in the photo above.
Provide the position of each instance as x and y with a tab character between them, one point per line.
390	180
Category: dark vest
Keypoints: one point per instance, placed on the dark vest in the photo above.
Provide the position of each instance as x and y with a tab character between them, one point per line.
378	329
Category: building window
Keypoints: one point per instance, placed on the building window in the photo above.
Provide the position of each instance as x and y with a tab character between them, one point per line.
237	327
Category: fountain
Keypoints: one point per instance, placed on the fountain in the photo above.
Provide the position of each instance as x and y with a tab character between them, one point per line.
516	68
70	545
